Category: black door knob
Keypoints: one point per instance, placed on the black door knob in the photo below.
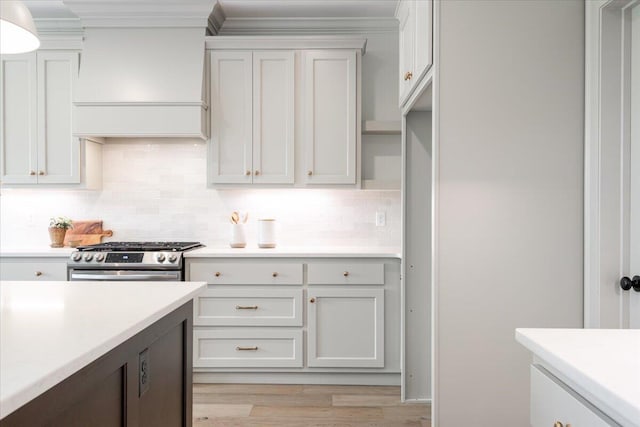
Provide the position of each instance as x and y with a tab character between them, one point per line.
626	283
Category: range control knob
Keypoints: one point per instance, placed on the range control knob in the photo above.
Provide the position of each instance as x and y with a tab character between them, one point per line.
172	258
160	257
88	257
76	257
99	257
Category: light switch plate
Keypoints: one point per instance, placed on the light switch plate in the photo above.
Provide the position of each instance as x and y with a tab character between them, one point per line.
381	219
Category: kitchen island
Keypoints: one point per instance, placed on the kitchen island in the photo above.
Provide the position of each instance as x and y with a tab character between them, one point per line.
95	353
584	377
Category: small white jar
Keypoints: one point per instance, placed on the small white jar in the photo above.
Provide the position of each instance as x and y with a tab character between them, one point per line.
238	236
266	233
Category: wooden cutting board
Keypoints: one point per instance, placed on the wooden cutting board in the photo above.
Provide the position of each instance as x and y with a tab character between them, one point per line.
86	232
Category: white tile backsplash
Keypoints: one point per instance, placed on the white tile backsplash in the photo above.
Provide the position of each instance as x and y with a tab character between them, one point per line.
156	190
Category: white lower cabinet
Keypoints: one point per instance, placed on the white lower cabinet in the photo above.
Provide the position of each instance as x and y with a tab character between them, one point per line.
318	317
555	404
28	268
345	328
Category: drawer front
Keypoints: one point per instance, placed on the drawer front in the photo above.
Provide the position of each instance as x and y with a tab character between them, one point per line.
220	273
37	270
345	273
248	307
247	348
552	401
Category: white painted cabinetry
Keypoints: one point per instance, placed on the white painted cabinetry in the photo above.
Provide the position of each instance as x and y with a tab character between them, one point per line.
252	117
555	404
330	116
415	19
36	91
33	268
304	316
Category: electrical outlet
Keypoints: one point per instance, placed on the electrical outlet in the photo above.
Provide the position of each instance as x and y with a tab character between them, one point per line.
381	219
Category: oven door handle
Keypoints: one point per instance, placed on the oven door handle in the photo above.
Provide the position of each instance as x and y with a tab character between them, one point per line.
121	275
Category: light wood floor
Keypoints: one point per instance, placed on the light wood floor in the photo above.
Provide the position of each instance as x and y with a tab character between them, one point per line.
304	405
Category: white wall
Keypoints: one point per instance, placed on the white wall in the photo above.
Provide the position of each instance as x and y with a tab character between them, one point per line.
510	107
157	190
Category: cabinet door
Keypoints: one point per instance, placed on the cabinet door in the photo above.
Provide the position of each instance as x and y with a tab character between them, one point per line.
406	19
33	269
552	401
423	57
231	123
330	117
58	150
345	328
18	119
273	117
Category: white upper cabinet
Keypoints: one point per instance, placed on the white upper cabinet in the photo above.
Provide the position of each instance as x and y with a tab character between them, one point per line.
37	146
330	116
415	19
252	117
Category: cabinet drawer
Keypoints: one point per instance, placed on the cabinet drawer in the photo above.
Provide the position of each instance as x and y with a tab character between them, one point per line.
552	401
248	307
345	274
247	348
220	273
33	270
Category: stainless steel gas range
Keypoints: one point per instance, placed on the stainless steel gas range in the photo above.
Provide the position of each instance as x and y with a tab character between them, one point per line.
135	261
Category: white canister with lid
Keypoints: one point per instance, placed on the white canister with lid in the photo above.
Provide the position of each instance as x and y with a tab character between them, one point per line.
267	233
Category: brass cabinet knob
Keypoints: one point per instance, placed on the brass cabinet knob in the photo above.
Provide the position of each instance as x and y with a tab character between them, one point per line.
558	424
345	274
256	173
408	75
32	173
248	173
38	273
218	274
312	300
310	173
275	274
41	173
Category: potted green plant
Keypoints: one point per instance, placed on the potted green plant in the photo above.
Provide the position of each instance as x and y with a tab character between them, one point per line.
58	227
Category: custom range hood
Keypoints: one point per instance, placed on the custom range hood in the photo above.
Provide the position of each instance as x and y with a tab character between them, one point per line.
141	68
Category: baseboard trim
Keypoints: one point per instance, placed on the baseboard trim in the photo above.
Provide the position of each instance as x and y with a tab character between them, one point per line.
296	378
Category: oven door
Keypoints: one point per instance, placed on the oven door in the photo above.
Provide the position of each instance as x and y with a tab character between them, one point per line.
125	275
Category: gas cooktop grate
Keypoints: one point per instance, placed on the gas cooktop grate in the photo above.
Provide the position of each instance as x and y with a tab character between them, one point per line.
141	246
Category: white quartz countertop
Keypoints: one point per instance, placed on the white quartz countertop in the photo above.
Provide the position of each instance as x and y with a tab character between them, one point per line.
603	365
50	330
39	251
296	252
212	251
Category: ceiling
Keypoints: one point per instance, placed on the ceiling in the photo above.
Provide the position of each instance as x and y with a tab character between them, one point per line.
55	9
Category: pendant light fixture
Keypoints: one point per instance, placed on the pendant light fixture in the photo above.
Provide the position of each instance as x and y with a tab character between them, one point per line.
18	33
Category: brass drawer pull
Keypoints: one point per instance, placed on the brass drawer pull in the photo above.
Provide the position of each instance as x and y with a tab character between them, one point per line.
408	75
246	307
275	274
41	173
254	348
256	173
345	274
312	300
38	273
32	173
247	173
217	274
310	173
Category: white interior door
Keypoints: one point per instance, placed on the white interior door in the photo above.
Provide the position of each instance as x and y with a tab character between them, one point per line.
612	179
634	169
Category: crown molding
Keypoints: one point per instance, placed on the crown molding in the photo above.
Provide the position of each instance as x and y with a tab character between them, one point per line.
319	26
142	13
286	42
